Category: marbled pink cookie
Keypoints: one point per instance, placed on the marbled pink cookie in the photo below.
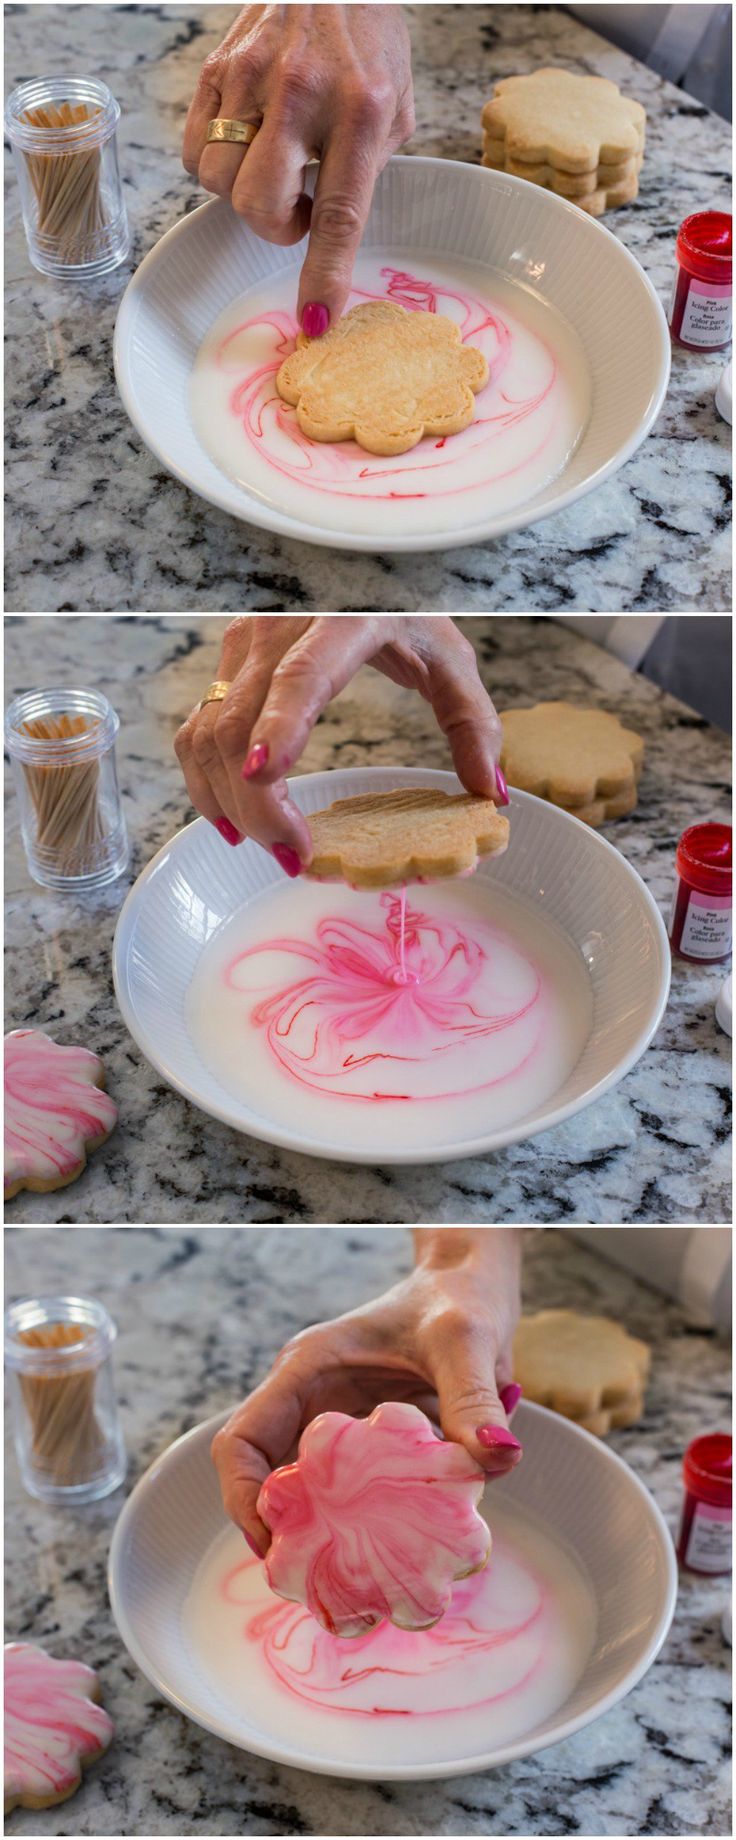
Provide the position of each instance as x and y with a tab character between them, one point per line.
377	1518
55	1111
53	1727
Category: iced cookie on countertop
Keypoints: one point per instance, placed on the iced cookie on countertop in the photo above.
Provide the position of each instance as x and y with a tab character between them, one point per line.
575	135
585	1367
375	1520
384	839
384	377
581	759
56	1111
54	1726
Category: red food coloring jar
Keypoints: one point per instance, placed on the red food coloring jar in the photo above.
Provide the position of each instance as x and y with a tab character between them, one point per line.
700	308
700	918
704	1537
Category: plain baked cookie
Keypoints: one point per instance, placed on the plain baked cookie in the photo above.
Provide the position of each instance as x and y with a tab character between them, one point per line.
384	377
575	135
383	839
581	759
585	1367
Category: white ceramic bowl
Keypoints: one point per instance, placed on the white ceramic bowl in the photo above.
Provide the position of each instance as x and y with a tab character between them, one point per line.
428	207
593	1505
570	872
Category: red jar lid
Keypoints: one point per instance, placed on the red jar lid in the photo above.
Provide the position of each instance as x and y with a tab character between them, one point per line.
706	1469
705	246
705	858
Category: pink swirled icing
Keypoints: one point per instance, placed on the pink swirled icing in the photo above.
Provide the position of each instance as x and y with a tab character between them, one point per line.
376	1519
371	1006
492	1646
55	1110
342	469
52	1725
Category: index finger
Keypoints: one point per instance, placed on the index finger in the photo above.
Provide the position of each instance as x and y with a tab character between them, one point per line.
314	669
342	200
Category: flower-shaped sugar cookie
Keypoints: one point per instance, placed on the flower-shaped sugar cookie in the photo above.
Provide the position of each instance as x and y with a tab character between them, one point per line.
55	1111
581	759
383	377
585	1367
376	1519
53	1726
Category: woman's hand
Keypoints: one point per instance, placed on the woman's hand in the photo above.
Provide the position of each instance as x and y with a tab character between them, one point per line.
331	83
440	1339
283	672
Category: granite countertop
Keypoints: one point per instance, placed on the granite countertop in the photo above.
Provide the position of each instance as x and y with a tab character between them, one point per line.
201	1316
656	1148
94	522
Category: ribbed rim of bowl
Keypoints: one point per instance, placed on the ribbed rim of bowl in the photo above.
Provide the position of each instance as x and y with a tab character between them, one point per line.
523	1747
263	516
263	1131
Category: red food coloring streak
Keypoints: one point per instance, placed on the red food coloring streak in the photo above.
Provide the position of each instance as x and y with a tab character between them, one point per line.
340	468
412	986
318	1668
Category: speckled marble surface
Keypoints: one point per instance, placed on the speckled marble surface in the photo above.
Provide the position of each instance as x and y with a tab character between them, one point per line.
656	1148
201	1316
93	521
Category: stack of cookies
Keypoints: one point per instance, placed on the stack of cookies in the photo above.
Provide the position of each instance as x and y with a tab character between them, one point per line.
581	759
577	136
585	1367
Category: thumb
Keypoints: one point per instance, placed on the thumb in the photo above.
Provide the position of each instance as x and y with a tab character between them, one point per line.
242	1471
471	1414
467	717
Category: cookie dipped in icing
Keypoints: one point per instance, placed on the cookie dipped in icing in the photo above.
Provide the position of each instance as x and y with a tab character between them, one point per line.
384	377
53	1726
375	1520
56	1111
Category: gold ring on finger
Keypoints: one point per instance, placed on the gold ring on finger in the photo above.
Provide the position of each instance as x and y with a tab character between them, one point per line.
222	129
215	693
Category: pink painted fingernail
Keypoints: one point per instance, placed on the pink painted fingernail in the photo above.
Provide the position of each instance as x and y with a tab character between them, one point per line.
510	1397
251	1543
227	830
315	319
254	760
496	1437
502	787
287	859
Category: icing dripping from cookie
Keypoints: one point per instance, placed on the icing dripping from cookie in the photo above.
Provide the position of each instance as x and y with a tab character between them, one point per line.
369	1004
297	1007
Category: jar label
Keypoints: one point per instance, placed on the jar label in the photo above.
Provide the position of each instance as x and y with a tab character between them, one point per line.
707	316
709	1542
707	929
